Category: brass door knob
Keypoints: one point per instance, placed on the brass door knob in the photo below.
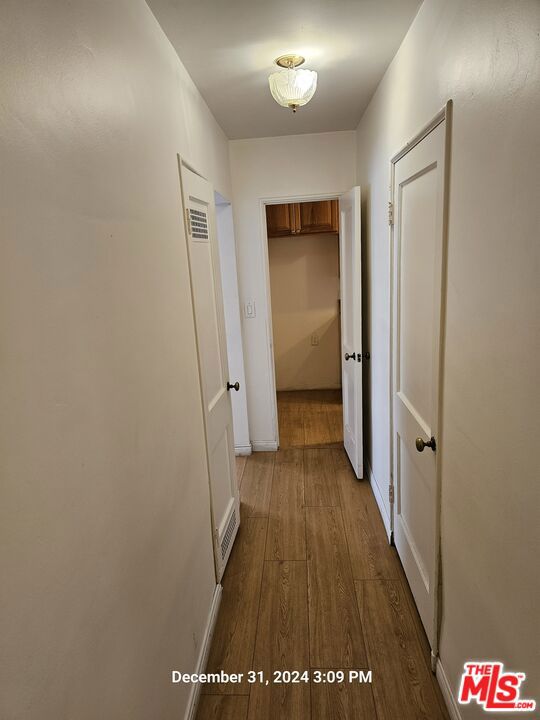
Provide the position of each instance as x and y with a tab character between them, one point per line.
236	386
421	444
352	356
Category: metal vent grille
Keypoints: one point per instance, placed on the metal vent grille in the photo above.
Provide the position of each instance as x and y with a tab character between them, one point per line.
229	534
199	224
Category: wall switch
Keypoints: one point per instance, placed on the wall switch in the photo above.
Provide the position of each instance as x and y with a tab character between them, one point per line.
314	339
249	309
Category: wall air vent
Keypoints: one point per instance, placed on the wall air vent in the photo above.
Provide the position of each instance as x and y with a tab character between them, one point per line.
199	224
228	535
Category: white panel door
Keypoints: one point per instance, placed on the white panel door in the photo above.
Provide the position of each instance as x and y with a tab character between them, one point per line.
417	281
351	325
212	350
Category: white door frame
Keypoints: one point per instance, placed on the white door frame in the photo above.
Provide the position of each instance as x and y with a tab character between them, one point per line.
444	115
263	202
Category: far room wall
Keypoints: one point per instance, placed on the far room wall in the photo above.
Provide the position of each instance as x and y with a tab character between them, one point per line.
304	281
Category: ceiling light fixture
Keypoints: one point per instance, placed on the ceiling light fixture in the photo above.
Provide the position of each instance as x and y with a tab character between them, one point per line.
291	87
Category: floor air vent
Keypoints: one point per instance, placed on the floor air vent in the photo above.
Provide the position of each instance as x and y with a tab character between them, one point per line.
229	535
199	224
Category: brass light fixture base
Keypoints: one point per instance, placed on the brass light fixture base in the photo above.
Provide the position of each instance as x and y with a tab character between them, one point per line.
289	61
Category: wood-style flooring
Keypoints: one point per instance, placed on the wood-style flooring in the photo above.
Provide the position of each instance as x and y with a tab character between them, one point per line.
313	584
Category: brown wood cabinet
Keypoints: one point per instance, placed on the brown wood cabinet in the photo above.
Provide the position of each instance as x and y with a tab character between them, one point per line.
304	218
280	220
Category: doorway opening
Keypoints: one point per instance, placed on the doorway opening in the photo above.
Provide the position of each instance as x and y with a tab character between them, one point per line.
304	282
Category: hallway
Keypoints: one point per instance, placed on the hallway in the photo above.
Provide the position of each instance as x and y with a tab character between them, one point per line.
313	584
326	194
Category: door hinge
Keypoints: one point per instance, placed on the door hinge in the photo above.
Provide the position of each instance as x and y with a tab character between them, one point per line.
391	494
188	221
390	213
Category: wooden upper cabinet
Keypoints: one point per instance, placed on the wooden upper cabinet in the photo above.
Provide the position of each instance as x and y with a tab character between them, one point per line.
317	217
304	218
280	220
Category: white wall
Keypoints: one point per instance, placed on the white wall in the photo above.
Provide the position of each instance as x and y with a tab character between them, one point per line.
282	167
233	326
485	56
107	569
304	283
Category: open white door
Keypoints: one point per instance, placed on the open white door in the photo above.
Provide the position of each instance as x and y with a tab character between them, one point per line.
418	192
212	350
351	325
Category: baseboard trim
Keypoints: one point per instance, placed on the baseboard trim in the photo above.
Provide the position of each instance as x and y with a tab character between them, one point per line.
264	445
378	498
448	695
243	449
195	693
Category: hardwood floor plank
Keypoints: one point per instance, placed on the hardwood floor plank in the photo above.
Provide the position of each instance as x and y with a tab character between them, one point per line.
291	425
234	637
310	418
286	523
282	643
317	431
240	465
321	400
371	555
256	487
420	633
223	707
335	422
319	479
401	679
336	639
342	701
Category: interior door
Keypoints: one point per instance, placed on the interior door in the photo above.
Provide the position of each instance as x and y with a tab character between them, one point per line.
351	325
417	282
207	296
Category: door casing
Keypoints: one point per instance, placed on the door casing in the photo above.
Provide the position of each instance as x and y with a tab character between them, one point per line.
263	202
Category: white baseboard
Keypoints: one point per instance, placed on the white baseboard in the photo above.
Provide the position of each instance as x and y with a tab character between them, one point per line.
448	695
378	498
264	445
193	702
243	449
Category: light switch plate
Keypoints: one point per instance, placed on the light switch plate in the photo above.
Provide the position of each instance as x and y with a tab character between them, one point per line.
249	309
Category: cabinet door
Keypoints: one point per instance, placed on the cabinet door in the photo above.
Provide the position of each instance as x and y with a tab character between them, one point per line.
280	220
316	217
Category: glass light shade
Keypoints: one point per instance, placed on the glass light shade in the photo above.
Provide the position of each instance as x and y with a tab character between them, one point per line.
293	88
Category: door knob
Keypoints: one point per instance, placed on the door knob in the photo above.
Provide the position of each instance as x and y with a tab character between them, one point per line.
352	356
236	386
421	444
